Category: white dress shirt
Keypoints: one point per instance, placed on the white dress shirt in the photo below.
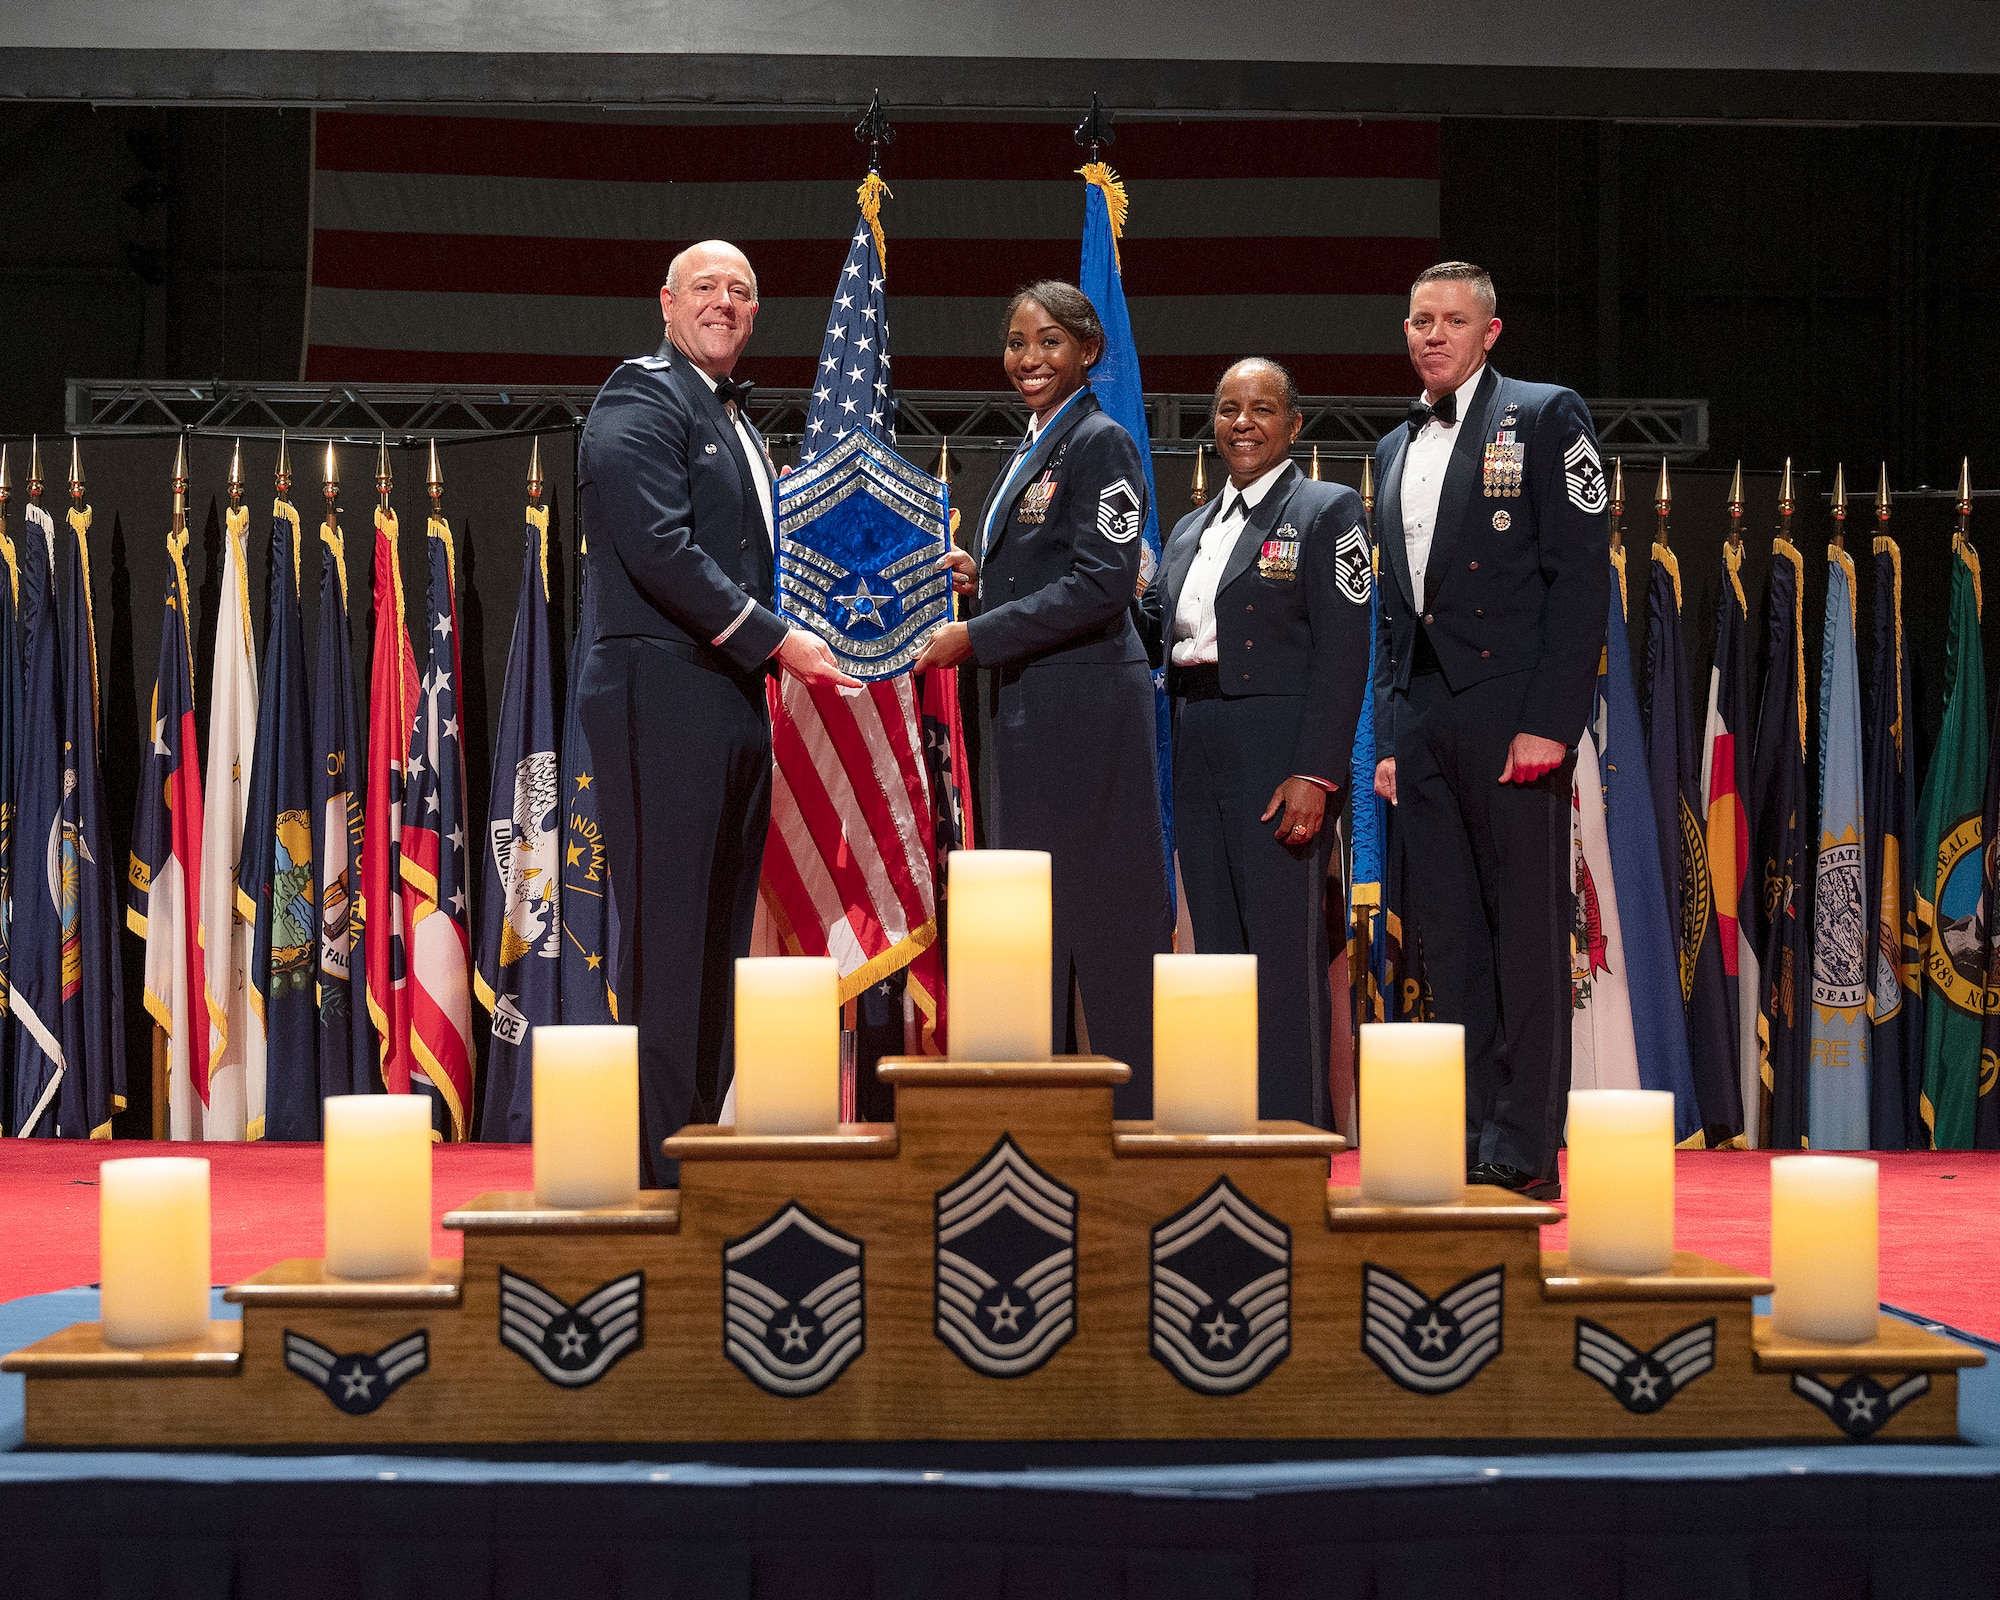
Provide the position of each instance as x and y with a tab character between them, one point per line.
760	472
1194	616
1424	462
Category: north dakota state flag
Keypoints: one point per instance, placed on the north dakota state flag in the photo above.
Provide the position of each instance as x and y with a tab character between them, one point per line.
1950	871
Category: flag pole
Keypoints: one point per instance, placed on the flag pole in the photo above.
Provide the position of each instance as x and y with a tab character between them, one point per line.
1839	506
162	1046
534	469
1663	503
1315	464
1962	534
434	483
1198	490
1617	503
1786	504
384	479
1736	509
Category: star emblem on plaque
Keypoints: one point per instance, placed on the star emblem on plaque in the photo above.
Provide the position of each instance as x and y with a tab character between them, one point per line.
1860	1406
357	1382
1644	1380
793	1313
1221	1292
1431	1346
1006	1264
572	1345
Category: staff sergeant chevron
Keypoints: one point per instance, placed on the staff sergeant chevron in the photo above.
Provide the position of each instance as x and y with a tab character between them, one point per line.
1006	1264
1222	1292
357	1383
1643	1381
1431	1346
572	1345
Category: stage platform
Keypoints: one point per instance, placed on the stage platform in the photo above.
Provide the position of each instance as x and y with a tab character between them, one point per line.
1294	1519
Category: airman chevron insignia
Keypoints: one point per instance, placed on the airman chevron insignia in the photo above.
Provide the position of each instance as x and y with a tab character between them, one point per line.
1860	1406
572	1345
357	1383
792	1302
1431	1346
1643	1381
1006	1264
1222	1292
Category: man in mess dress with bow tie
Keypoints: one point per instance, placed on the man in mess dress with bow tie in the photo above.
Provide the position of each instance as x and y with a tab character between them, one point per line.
676	492
1493	539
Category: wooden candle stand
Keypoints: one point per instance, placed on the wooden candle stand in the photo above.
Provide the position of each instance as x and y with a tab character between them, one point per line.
1004	1262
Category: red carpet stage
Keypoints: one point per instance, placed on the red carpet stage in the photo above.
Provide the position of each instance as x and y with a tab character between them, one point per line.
1940	1214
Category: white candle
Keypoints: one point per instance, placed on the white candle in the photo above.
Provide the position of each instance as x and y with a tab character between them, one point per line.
1205	1044
1412	1112
152	1219
1621	1180
586	1104
787	1044
1824	1248
998	964
378	1185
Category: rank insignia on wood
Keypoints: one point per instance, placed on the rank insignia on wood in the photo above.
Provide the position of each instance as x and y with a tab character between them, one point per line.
357	1383
572	1345
793	1310
1222	1292
1860	1406
1431	1346
1644	1380
1006	1264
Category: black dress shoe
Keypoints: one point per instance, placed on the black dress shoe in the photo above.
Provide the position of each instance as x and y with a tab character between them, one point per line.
1525	1184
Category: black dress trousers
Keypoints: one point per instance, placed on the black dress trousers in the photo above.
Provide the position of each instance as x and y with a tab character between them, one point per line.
1489	865
684	826
1249	891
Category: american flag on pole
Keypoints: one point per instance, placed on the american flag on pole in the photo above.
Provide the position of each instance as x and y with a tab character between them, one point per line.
477	248
852	863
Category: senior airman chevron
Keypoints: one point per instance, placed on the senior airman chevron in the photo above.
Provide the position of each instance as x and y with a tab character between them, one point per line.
794	1302
1222	1292
572	1345
1006	1264
1431	1346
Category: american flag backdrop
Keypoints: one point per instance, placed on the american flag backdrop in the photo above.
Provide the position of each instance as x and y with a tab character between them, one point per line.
482	249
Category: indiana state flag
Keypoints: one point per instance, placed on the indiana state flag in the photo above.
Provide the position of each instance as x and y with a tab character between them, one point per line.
436	910
164	872
346	1044
1951	910
1896	995
1652	976
1115	382
276	874
519	975
37	936
589	921
235	1104
93	1029
1837	1088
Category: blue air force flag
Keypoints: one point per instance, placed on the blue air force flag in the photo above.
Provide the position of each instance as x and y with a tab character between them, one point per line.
1837	1082
860	532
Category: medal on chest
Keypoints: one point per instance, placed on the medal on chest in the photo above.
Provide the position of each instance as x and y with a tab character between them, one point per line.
1501	468
1278	557
1035	500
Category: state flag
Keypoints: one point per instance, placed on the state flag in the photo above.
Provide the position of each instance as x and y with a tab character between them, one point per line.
589	920
35	941
277	876
392	719
10	732
519	974
1604	1054
1726	748
1371	984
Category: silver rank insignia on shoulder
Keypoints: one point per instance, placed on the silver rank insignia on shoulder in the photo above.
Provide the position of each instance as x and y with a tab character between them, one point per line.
1431	1346
1035	500
572	1345
1354	566
1502	467
793	1313
1006	1264
1278	557
1118	512
651	363
1583	477
1222	1292
1644	1380
1860	1406
357	1383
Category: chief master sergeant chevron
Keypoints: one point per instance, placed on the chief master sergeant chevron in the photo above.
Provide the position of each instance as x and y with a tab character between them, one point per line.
1494	554
675	488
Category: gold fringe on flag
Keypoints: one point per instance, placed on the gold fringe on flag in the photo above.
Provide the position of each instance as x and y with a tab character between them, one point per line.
871	195
1100	173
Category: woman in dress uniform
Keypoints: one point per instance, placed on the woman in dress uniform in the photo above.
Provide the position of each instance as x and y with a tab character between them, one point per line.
1054	572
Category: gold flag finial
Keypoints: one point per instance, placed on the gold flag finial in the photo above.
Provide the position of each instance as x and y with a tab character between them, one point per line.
1882	494
535	469
76	469
6	481
1839	506
1368	486
1785	501
945	471
34	467
330	477
1663	496
1618	486
1198	490
180	483
282	475
1315	464
384	479
1965	486
434	478
1736	506
236	474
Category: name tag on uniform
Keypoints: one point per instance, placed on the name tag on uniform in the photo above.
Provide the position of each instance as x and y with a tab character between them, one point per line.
1501	470
1036	497
1279	557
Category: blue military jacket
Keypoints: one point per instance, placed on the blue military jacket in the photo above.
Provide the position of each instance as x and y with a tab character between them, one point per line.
678	546
1519	567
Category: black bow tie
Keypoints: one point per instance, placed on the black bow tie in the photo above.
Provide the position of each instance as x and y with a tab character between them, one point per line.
1444	413
733	389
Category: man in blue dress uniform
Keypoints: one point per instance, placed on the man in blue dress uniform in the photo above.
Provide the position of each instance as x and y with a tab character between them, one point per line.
675	488
1494	542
